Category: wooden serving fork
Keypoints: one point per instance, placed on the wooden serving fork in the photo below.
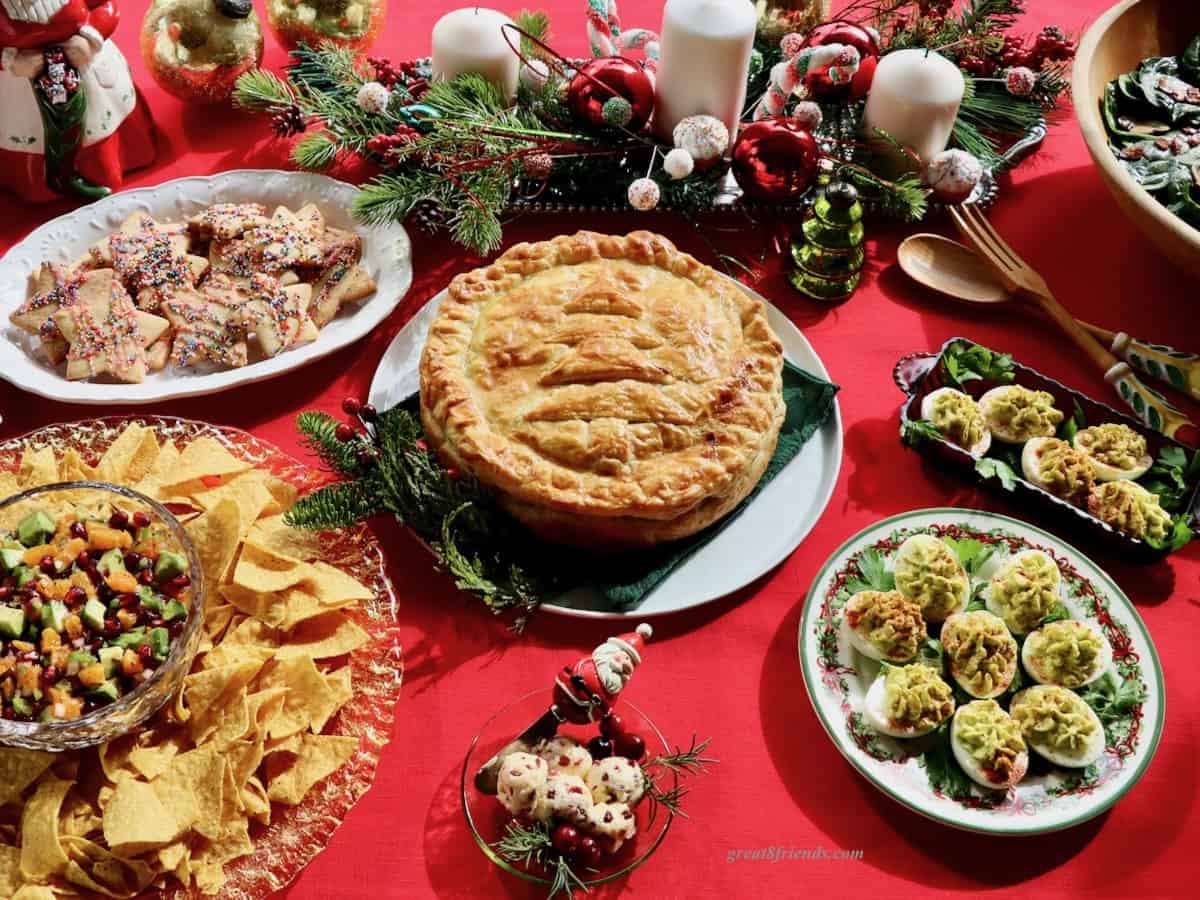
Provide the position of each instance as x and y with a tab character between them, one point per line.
1022	280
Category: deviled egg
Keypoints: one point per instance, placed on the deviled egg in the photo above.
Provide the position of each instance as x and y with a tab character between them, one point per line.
908	701
956	415
1117	452
980	652
1055	466
1016	414
1057	724
987	743
1069	653
929	574
884	625
1130	508
1024	590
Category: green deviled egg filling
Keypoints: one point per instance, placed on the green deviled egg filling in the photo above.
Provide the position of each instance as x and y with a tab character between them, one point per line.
1055	718
957	417
991	738
1130	508
1017	414
916	697
1058	467
981	652
928	573
1113	444
1024	591
887	621
1066	653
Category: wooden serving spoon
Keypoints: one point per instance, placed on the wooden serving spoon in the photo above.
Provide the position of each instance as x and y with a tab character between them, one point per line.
959	273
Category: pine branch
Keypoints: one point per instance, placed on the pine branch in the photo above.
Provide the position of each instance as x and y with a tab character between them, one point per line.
535	23
316	151
319	432
337	505
262	91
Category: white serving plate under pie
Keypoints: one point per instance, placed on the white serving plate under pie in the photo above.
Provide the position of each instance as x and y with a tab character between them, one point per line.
1049	798
758	540
387	256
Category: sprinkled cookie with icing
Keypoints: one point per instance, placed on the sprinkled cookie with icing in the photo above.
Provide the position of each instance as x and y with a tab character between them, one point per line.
226	221
278	315
106	332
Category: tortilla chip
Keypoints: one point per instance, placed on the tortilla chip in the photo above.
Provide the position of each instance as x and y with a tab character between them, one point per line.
204	458
309	701
249	639
214	696
42	854
244	758
130	457
122	877
135	819
152	760
246	490
255	801
38	467
263	707
10	870
73	468
165	464
202	772
320	756
262	571
272	533
334	587
332	634
342	685
19	769
34	892
216	534
283	495
8	485
114	756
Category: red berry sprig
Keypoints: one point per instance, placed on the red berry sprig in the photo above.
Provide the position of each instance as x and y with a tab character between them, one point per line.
1052	45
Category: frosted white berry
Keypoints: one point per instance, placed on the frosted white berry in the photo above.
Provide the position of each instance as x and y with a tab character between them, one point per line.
644	194
1020	81
373	97
953	175
534	74
807	115
791	44
705	138
678	163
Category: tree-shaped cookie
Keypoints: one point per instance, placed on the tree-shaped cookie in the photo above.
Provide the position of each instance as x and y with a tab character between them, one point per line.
278	315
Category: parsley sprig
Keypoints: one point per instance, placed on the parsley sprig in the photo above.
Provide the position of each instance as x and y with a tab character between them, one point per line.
963	361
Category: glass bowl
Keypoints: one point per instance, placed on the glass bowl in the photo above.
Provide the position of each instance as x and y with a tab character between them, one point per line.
487	819
127	712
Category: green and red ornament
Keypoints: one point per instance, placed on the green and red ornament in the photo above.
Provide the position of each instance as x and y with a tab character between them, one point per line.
775	160
611	91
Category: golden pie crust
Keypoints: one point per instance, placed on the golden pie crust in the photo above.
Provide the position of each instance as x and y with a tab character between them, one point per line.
615	391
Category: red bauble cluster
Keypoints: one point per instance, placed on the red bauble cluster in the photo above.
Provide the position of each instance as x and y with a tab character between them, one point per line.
601	80
775	160
1052	46
383	144
1013	52
866	42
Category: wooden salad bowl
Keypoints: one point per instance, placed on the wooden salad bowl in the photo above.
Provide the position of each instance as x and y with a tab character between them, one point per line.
1115	43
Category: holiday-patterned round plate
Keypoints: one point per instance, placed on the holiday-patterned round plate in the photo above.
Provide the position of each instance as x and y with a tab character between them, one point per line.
922	773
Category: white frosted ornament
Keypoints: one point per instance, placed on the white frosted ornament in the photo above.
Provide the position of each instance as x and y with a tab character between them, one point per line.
705	138
373	97
1020	81
808	115
953	175
644	194
535	74
678	163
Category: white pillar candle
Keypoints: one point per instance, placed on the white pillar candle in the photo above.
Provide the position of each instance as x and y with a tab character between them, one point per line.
471	41
705	61
915	98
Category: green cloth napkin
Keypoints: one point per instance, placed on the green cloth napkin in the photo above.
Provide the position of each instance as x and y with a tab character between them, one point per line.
628	578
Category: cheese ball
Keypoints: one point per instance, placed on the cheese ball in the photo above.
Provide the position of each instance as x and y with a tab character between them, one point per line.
521	774
616	779
564	798
565	756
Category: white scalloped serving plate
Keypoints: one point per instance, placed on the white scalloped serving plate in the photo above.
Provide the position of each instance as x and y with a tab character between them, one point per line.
387	255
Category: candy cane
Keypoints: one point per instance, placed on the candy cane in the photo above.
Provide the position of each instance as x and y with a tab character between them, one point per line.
788	75
607	39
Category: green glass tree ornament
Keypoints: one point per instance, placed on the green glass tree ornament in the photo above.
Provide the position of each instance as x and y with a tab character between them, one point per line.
828	261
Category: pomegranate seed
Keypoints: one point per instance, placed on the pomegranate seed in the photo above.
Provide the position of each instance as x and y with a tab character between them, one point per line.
50	674
5	592
47	564
95	644
145	652
118	519
93	574
79	530
83	559
141	520
128	601
146	576
351	407
180	581
176	628
132	561
112	627
157	622
75	596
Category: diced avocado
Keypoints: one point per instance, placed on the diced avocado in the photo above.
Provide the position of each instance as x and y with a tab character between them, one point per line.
174	610
112	561
24	575
93	615
81	659
110	659
10	557
169	565
143	534
131	639
160	643
47	714
22	706
105	692
12	622
35	529
149	599
54	615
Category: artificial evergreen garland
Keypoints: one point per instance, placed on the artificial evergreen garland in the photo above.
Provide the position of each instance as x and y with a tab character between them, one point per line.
457	155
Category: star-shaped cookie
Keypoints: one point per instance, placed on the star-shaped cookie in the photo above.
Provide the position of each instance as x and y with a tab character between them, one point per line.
288	240
53	287
151	259
107	334
209	324
278	315
226	221
342	282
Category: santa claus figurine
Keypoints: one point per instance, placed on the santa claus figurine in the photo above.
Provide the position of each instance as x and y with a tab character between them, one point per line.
586	691
71	121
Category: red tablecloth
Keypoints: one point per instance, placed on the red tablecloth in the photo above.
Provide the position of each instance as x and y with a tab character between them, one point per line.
730	669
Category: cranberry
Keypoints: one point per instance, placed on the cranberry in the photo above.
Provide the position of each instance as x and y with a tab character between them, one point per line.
145	652
588	853
343	432
600	747
118	519
368	413
132	561
612	725
141	519
50	674
351	407
78	530
112	627
565	839
146	576
630	746
75	596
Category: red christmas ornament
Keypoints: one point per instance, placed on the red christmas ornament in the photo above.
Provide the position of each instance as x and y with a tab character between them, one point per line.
775	159
865	41
600	80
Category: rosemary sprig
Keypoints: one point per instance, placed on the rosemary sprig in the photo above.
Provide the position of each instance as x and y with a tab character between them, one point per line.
691	761
526	847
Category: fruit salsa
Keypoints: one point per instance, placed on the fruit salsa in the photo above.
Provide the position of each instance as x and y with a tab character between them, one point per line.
91	600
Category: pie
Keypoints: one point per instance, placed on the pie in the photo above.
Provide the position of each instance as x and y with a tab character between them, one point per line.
612	390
